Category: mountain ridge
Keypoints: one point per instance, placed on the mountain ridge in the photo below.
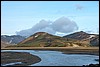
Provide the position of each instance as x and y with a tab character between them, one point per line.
43	39
83	36
13	39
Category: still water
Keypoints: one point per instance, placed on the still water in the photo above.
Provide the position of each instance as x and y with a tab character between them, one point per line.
56	58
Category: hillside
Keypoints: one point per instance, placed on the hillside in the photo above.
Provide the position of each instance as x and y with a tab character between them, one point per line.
43	39
4	44
83	36
14	39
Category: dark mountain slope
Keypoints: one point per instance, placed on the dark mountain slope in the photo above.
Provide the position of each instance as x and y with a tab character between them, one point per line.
83	36
14	39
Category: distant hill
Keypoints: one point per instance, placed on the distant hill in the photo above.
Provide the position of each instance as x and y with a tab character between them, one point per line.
83	36
43	39
4	44
14	39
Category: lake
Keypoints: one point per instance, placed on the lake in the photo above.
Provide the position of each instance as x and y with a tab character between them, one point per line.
56	58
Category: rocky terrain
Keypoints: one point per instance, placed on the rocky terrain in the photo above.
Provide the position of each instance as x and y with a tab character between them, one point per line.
14	39
93	39
4	44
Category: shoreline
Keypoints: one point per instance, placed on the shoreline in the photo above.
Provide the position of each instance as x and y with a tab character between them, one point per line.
24	58
31	48
64	50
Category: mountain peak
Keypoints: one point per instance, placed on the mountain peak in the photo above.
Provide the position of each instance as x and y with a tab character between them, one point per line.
43	39
92	38
78	35
41	33
81	32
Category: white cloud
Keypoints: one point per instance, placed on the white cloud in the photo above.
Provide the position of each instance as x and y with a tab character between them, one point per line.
62	25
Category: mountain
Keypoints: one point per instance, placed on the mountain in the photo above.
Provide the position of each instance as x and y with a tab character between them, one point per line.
14	39
83	36
78	35
43	39
4	44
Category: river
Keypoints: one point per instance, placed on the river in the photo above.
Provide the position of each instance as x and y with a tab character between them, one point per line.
56	58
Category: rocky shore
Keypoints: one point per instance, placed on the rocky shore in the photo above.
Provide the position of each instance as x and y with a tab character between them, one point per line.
92	65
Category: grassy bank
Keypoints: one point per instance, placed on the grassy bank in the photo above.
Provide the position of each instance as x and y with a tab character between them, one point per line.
65	50
31	48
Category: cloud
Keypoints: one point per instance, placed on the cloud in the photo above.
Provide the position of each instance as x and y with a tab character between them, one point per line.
78	7
42	26
62	25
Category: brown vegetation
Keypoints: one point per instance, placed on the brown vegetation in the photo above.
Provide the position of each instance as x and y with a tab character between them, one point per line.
25	58
71	50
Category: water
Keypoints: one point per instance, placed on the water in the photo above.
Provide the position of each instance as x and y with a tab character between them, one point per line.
11	63
56	58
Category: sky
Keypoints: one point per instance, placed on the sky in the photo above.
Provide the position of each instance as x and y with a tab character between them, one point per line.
55	17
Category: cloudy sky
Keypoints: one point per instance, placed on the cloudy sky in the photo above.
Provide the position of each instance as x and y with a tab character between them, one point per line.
55	17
